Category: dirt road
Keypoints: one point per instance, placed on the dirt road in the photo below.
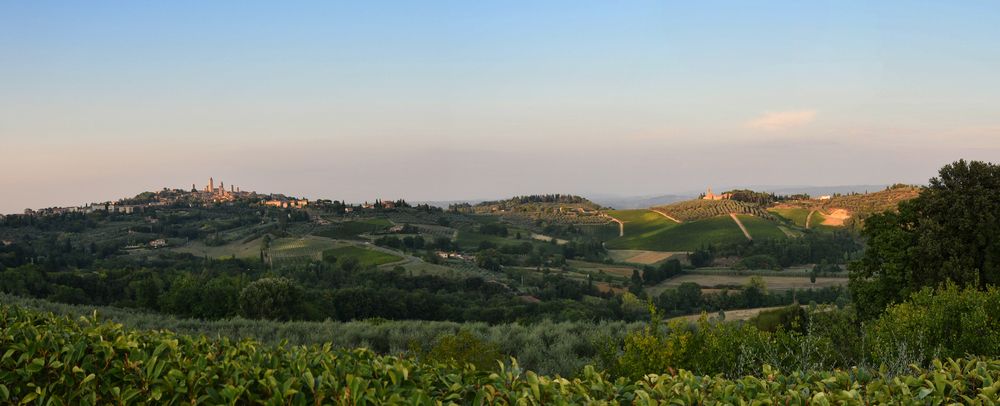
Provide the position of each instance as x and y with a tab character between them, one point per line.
742	227
666	215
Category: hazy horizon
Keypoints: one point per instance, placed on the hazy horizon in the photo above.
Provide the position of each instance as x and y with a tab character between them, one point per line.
457	100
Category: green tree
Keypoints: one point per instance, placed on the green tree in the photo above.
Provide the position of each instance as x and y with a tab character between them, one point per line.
489	259
270	298
950	232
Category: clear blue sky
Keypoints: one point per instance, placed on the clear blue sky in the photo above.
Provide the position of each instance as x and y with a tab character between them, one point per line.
465	99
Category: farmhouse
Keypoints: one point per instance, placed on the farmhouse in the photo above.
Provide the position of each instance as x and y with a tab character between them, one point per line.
712	196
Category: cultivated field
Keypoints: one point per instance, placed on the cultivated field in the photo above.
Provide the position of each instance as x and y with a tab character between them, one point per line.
643	257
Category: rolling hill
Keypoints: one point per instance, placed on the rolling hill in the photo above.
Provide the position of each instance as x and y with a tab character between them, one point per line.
698	209
870	203
652	231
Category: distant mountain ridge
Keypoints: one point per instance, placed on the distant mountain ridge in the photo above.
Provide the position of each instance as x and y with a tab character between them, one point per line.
639	202
645	201
816	191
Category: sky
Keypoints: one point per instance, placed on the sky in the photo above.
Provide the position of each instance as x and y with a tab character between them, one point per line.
483	99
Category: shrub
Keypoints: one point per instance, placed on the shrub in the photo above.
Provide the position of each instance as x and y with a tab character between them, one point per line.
758	262
949	322
465	348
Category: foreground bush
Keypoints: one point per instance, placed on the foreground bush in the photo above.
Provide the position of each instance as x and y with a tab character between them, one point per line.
947	322
54	360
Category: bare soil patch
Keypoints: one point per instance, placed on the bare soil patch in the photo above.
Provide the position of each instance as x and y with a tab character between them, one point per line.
605	287
836	218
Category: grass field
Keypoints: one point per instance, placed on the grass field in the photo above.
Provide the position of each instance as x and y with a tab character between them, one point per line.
761	229
795	215
642	227
366	257
469	239
642	222
647	230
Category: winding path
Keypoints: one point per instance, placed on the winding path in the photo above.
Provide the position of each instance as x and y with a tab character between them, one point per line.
742	227
667	216
809	217
621	224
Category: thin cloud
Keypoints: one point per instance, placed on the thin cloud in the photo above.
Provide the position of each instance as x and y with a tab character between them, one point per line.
782	120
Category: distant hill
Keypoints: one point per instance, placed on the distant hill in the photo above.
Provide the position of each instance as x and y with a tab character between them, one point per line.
698	209
648	230
875	202
816	191
638	202
525	210
842	210
534	202
746	214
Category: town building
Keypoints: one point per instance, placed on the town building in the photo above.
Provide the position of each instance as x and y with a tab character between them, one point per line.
712	196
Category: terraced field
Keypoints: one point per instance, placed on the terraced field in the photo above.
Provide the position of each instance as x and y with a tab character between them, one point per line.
692	210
